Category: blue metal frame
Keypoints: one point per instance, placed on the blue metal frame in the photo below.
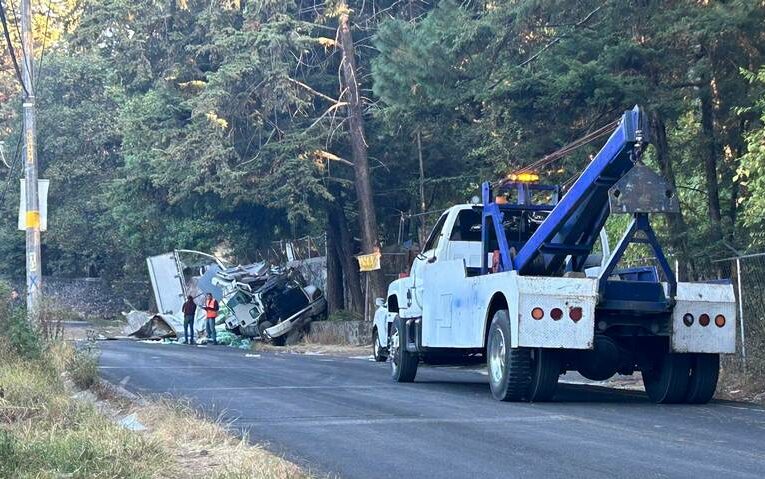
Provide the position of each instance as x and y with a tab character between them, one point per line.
574	224
491	211
641	223
495	212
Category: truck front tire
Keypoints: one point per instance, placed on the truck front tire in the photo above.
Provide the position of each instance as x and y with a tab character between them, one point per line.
380	354
403	364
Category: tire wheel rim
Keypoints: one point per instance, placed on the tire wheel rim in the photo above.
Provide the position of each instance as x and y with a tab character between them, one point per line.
394	343
497	356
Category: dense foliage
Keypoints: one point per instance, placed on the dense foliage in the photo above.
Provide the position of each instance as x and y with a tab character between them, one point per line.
202	124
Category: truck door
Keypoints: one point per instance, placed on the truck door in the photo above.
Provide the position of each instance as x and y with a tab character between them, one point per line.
450	297
421	262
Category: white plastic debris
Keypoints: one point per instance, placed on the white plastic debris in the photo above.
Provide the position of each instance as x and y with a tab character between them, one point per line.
132	423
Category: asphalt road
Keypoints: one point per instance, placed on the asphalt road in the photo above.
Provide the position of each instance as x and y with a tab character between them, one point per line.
343	416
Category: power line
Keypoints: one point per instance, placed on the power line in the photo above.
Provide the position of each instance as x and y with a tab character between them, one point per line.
565	150
11	50
14	164
18	33
42	50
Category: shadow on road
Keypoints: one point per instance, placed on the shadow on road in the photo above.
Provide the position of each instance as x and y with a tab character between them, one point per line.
568	393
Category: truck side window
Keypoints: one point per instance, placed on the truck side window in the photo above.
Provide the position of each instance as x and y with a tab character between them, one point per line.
435	235
467	227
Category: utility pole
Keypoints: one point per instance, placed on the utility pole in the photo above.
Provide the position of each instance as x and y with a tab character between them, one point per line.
423	231
33	258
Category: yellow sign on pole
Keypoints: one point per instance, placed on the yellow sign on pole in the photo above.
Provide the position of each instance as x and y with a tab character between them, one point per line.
369	262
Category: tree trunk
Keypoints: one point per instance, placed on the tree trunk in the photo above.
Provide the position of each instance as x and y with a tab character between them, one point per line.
367	216
678	239
355	299
335	284
709	150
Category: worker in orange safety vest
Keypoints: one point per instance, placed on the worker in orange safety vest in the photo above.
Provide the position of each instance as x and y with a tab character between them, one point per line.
211	307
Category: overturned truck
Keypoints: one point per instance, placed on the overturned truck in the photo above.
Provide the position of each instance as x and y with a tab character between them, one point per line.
272	303
256	300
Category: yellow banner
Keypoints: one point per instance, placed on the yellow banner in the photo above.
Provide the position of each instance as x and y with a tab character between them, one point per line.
369	262
33	219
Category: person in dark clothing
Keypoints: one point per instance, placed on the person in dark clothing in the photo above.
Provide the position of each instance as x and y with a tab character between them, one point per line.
211	307
189	311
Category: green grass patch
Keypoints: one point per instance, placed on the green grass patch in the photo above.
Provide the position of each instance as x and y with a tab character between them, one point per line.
45	433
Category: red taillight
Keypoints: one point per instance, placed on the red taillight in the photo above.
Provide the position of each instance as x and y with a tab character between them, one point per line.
688	319
537	313
704	319
556	314
575	314
403	275
719	320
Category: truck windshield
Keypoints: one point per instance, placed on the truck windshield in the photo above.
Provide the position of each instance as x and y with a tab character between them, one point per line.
435	235
283	303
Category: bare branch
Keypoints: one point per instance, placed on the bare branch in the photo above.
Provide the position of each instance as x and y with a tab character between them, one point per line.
311	90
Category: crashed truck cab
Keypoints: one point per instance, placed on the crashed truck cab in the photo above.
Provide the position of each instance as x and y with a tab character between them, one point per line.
273	303
518	281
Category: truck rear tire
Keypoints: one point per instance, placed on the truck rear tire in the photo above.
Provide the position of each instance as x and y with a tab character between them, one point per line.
545	371
667	381
509	368
403	364
705	369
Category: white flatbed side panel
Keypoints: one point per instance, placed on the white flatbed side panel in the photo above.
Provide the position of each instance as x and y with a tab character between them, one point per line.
455	308
697	299
450	306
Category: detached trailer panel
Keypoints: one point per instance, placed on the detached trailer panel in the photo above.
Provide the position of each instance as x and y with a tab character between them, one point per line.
167	282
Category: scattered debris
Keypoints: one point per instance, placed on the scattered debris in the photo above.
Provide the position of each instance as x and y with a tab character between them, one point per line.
132	423
147	326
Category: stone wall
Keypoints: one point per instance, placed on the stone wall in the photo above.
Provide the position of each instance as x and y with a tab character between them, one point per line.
341	332
94	297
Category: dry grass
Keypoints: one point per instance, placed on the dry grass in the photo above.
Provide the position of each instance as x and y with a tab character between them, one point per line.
739	383
44	432
47	430
205	449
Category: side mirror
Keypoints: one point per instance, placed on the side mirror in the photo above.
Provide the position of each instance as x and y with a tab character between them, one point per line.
432	259
380	302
